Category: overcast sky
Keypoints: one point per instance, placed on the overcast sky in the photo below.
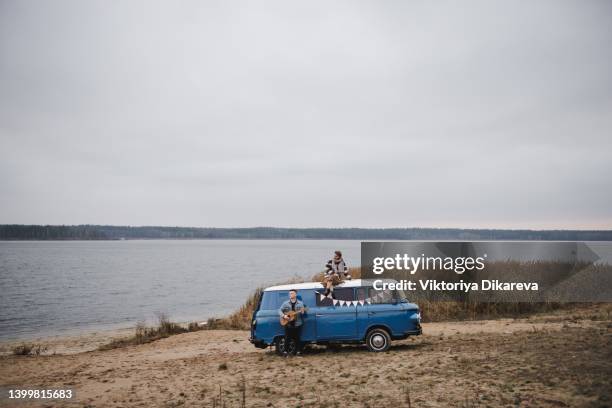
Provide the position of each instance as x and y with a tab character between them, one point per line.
306	114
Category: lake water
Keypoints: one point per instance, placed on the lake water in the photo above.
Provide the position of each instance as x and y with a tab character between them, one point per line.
50	288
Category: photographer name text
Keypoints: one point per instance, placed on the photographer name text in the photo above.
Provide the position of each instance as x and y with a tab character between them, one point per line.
437	285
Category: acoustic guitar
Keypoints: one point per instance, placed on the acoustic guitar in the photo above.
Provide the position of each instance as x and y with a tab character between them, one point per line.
292	314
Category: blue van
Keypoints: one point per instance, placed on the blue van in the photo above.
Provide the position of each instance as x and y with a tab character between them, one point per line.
359	313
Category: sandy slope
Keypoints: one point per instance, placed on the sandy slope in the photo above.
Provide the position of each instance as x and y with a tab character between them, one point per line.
69	344
558	360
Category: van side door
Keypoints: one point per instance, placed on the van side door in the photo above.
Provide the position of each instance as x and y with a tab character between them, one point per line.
307	296
361	293
336	322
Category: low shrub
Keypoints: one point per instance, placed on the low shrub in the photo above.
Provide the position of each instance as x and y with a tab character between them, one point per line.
28	349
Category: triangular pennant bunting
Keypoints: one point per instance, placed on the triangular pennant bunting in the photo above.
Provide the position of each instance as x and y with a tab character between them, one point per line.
335	301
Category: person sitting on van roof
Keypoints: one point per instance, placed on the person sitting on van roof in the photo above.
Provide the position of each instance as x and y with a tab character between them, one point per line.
336	272
294	327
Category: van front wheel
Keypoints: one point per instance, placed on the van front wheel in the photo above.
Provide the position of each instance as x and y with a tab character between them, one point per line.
279	344
282	348
378	340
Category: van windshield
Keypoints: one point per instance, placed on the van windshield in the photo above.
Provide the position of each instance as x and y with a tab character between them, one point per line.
269	301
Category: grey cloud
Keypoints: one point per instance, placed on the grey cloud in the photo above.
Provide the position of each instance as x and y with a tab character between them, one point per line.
480	114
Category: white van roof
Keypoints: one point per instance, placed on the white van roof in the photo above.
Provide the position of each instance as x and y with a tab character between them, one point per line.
318	285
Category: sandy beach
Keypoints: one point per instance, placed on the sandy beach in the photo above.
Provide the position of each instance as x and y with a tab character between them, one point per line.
69	344
563	359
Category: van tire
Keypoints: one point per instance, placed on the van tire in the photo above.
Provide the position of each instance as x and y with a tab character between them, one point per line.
378	340
279	345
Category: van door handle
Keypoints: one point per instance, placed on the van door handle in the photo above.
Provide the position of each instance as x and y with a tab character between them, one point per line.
371	313
318	315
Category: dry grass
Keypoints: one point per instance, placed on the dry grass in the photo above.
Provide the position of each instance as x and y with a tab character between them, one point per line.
440	311
29	349
144	334
241	318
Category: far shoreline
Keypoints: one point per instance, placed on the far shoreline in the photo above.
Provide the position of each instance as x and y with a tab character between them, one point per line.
91	232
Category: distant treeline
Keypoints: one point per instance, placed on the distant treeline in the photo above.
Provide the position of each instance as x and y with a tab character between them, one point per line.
107	232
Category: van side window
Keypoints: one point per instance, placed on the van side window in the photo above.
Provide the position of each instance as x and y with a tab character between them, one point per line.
282	296
274	300
382	296
344	294
340	294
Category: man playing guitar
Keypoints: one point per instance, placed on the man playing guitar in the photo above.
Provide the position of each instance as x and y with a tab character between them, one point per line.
291	312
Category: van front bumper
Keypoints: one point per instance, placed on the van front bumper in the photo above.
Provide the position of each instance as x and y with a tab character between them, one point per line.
418	330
